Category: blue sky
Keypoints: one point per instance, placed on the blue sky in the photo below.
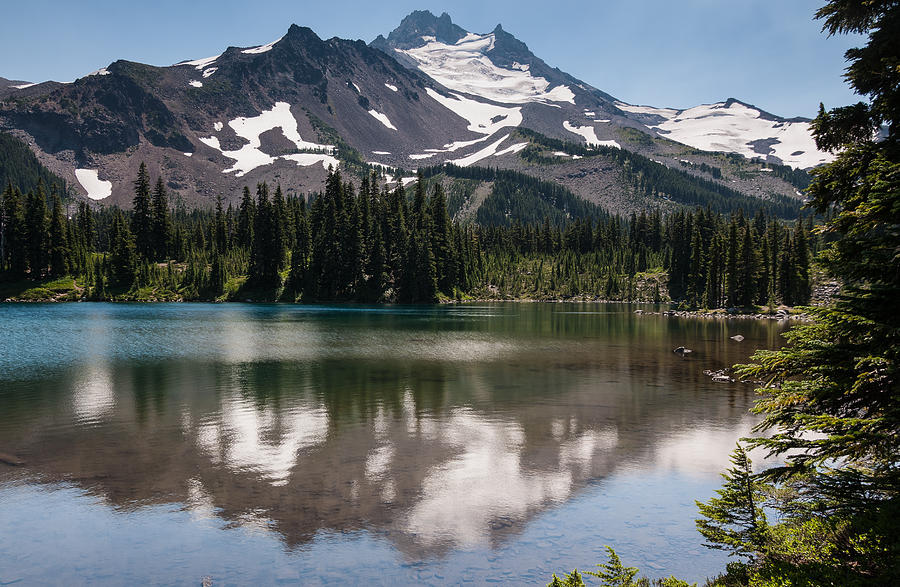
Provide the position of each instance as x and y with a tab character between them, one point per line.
657	52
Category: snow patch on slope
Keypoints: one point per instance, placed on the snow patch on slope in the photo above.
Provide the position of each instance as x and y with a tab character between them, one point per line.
249	157
23	86
733	128
391	87
479	155
383	119
195	83
307	159
589	135
261	48
199	64
465	67
483	118
511	149
96	188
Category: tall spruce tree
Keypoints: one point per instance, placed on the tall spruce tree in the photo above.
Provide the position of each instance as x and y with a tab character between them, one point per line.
37	232
142	214
15	259
59	240
833	393
160	222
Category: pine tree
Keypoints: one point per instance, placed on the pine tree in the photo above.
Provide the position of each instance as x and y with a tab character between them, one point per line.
731	264
59	242
246	220
36	232
613	573
221	230
735	520
14	233
122	258
142	215
833	393
440	239
161	222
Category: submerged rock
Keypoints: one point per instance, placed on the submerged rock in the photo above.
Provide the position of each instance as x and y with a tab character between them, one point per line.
10	460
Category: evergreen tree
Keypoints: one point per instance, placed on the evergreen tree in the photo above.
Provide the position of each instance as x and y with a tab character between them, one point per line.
161	222
735	520
14	234
833	393
142	215
36	232
122	258
59	242
246	220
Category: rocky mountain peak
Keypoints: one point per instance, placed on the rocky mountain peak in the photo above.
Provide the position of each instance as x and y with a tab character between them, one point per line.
422	23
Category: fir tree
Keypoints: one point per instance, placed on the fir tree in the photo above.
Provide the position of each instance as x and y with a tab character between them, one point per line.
59	242
161	222
735	520
142	214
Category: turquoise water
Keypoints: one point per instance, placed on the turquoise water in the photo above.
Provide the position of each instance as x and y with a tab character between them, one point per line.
384	445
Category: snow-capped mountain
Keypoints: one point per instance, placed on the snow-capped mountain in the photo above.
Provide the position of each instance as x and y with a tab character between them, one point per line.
499	68
428	93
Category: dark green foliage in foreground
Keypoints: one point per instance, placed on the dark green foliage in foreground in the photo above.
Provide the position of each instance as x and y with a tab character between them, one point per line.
735	520
613	573
831	400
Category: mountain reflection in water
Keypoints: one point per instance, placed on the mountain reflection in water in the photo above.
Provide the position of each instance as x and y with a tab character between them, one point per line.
439	429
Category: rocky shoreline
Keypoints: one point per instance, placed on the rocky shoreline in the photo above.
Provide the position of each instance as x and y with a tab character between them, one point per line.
781	314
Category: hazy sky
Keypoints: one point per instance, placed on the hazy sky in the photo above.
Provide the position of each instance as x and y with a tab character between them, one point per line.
657	52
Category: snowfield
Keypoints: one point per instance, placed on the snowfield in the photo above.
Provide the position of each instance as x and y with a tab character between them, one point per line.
261	48
250	156
715	127
391	87
465	67
479	155
483	118
587	132
511	149
383	119
589	135
200	64
195	83
96	188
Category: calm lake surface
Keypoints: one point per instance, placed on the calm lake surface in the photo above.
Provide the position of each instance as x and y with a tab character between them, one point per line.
379	445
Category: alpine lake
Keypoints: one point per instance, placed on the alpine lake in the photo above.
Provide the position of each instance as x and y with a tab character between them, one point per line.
478	443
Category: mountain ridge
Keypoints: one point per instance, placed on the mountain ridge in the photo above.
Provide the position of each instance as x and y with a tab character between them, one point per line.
428	93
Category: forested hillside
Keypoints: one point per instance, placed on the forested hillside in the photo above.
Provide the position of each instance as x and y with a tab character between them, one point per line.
20	169
374	243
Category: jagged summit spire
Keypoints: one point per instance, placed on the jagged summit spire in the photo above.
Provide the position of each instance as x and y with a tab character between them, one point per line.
421	23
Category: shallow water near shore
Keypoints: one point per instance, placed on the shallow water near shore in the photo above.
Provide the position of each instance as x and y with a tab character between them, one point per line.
502	442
